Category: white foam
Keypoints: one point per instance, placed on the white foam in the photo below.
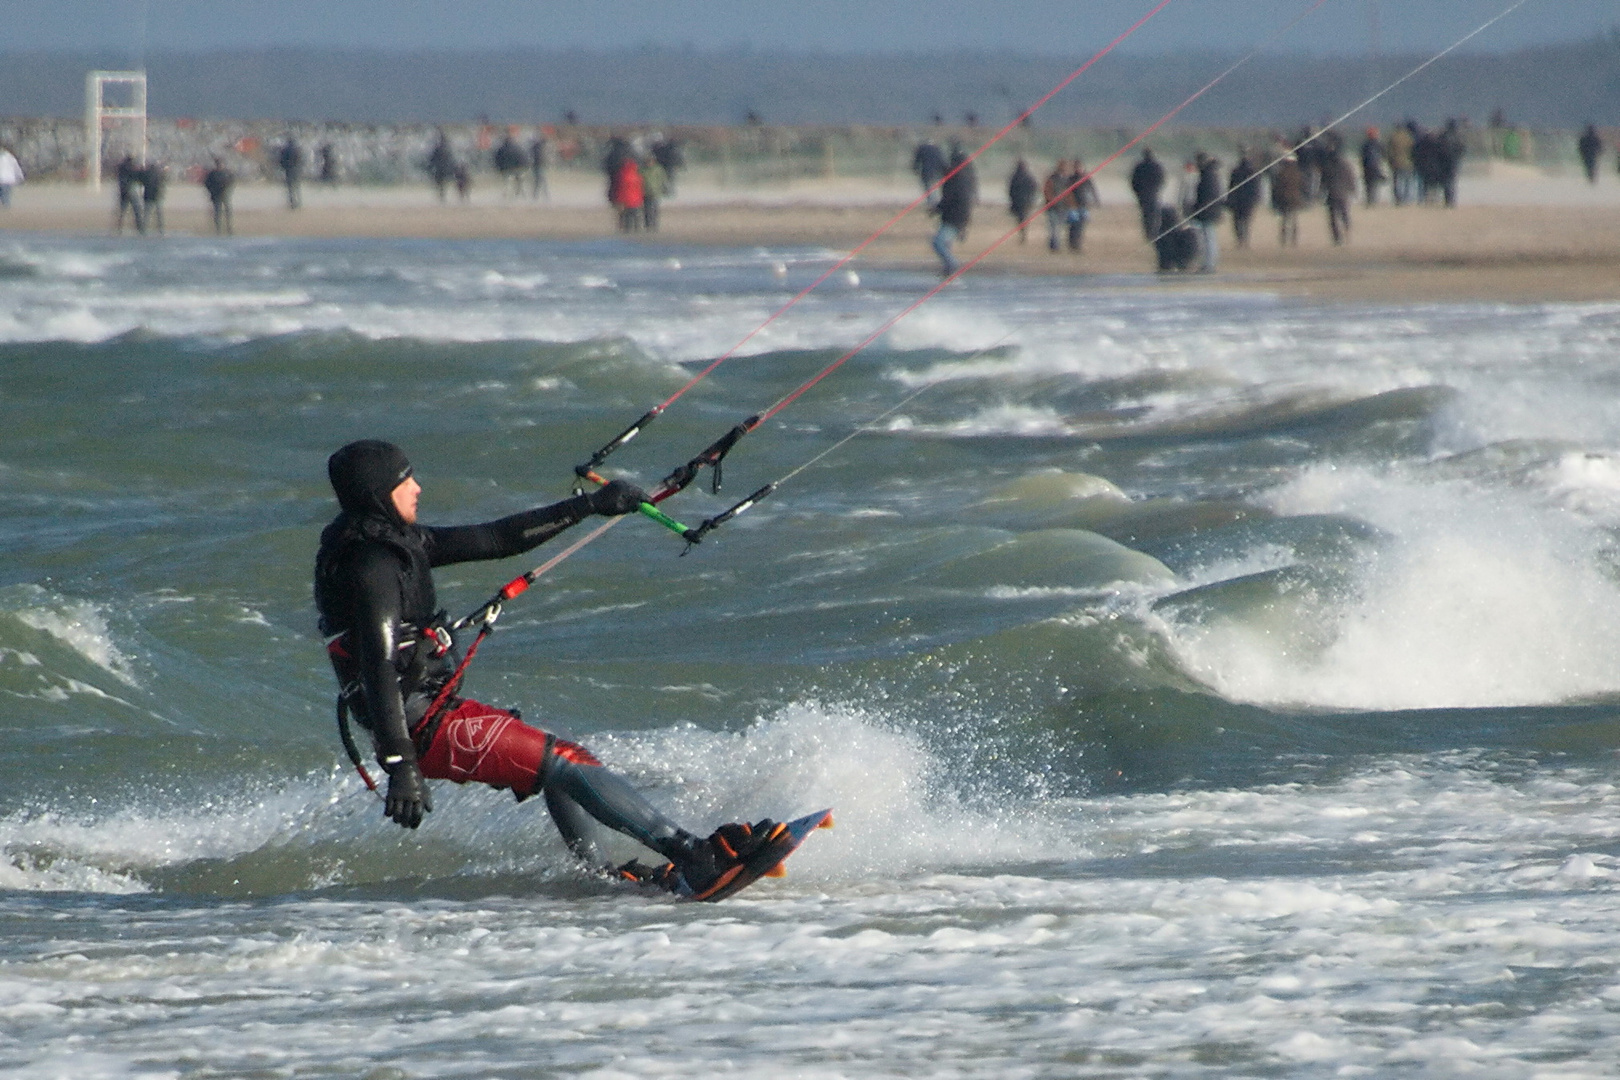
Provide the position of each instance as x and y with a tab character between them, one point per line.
1025	421
896	810
116	842
80	625
1480	599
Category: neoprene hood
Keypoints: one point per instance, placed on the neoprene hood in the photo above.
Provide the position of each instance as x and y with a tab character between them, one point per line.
365	473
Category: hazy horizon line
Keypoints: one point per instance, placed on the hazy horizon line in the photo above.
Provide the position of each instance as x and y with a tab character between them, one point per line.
743	50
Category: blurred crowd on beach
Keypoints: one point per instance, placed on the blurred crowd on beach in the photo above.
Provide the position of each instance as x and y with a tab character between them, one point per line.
1180	209
1185	186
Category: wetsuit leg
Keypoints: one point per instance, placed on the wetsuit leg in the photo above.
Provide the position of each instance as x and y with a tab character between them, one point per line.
575	826
605	796
477	743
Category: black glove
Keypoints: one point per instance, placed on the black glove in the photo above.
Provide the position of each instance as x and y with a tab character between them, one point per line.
617	497
408	795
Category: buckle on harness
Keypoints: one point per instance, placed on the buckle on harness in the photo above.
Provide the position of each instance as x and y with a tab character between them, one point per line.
443	640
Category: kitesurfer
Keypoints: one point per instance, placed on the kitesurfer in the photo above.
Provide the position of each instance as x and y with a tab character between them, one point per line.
392	654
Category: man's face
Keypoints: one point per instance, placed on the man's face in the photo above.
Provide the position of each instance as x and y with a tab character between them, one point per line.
404	497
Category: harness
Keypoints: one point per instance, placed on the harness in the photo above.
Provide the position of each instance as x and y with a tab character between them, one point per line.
438	641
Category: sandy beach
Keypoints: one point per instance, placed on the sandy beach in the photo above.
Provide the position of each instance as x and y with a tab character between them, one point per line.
1518	235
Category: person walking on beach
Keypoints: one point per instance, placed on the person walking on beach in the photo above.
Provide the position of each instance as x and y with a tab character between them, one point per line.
1210	200
11	175
928	162
1310	144
667	152
1590	146
626	194
1082	197
955	209
1426	163
1287	198
1242	195
510	163
654	185
1058	200
1147	181
218	181
327	155
1339	185
537	167
395	660
291	162
1402	141
129	195
1449	153
1022	187
154	186
441	164
1372	165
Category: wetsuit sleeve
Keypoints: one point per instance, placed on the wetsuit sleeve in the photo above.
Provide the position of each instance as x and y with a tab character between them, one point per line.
506	536
374	638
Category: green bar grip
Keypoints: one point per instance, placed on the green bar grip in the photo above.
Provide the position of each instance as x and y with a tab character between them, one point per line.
646	508
663	519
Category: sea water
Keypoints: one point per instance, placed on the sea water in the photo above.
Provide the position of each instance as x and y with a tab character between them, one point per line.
1206	683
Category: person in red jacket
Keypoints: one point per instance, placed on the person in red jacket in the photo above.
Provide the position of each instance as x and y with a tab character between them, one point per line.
627	194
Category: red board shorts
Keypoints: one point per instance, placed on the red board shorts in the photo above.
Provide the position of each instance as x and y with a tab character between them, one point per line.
478	743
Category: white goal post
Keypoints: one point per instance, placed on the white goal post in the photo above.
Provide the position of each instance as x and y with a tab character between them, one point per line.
97	114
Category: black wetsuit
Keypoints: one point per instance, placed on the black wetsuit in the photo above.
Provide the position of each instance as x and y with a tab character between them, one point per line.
374	586
378	606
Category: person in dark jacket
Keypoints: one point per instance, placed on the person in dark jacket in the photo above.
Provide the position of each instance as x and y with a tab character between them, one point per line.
395	663
955	209
613	158
1590	146
1243	194
1022	189
1082	196
510	163
1372	165
130	196
327	155
441	165
1448	160
1426	163
218	181
1339	186
1147	181
668	153
1174	242
154	185
928	162
291	162
1309	142
1210	200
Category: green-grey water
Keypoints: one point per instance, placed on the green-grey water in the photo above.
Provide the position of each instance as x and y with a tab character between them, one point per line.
1206	684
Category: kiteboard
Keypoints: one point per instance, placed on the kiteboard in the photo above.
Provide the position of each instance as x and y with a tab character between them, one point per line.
766	862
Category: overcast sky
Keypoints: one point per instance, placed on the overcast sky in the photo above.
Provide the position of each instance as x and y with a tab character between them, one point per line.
1061	27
